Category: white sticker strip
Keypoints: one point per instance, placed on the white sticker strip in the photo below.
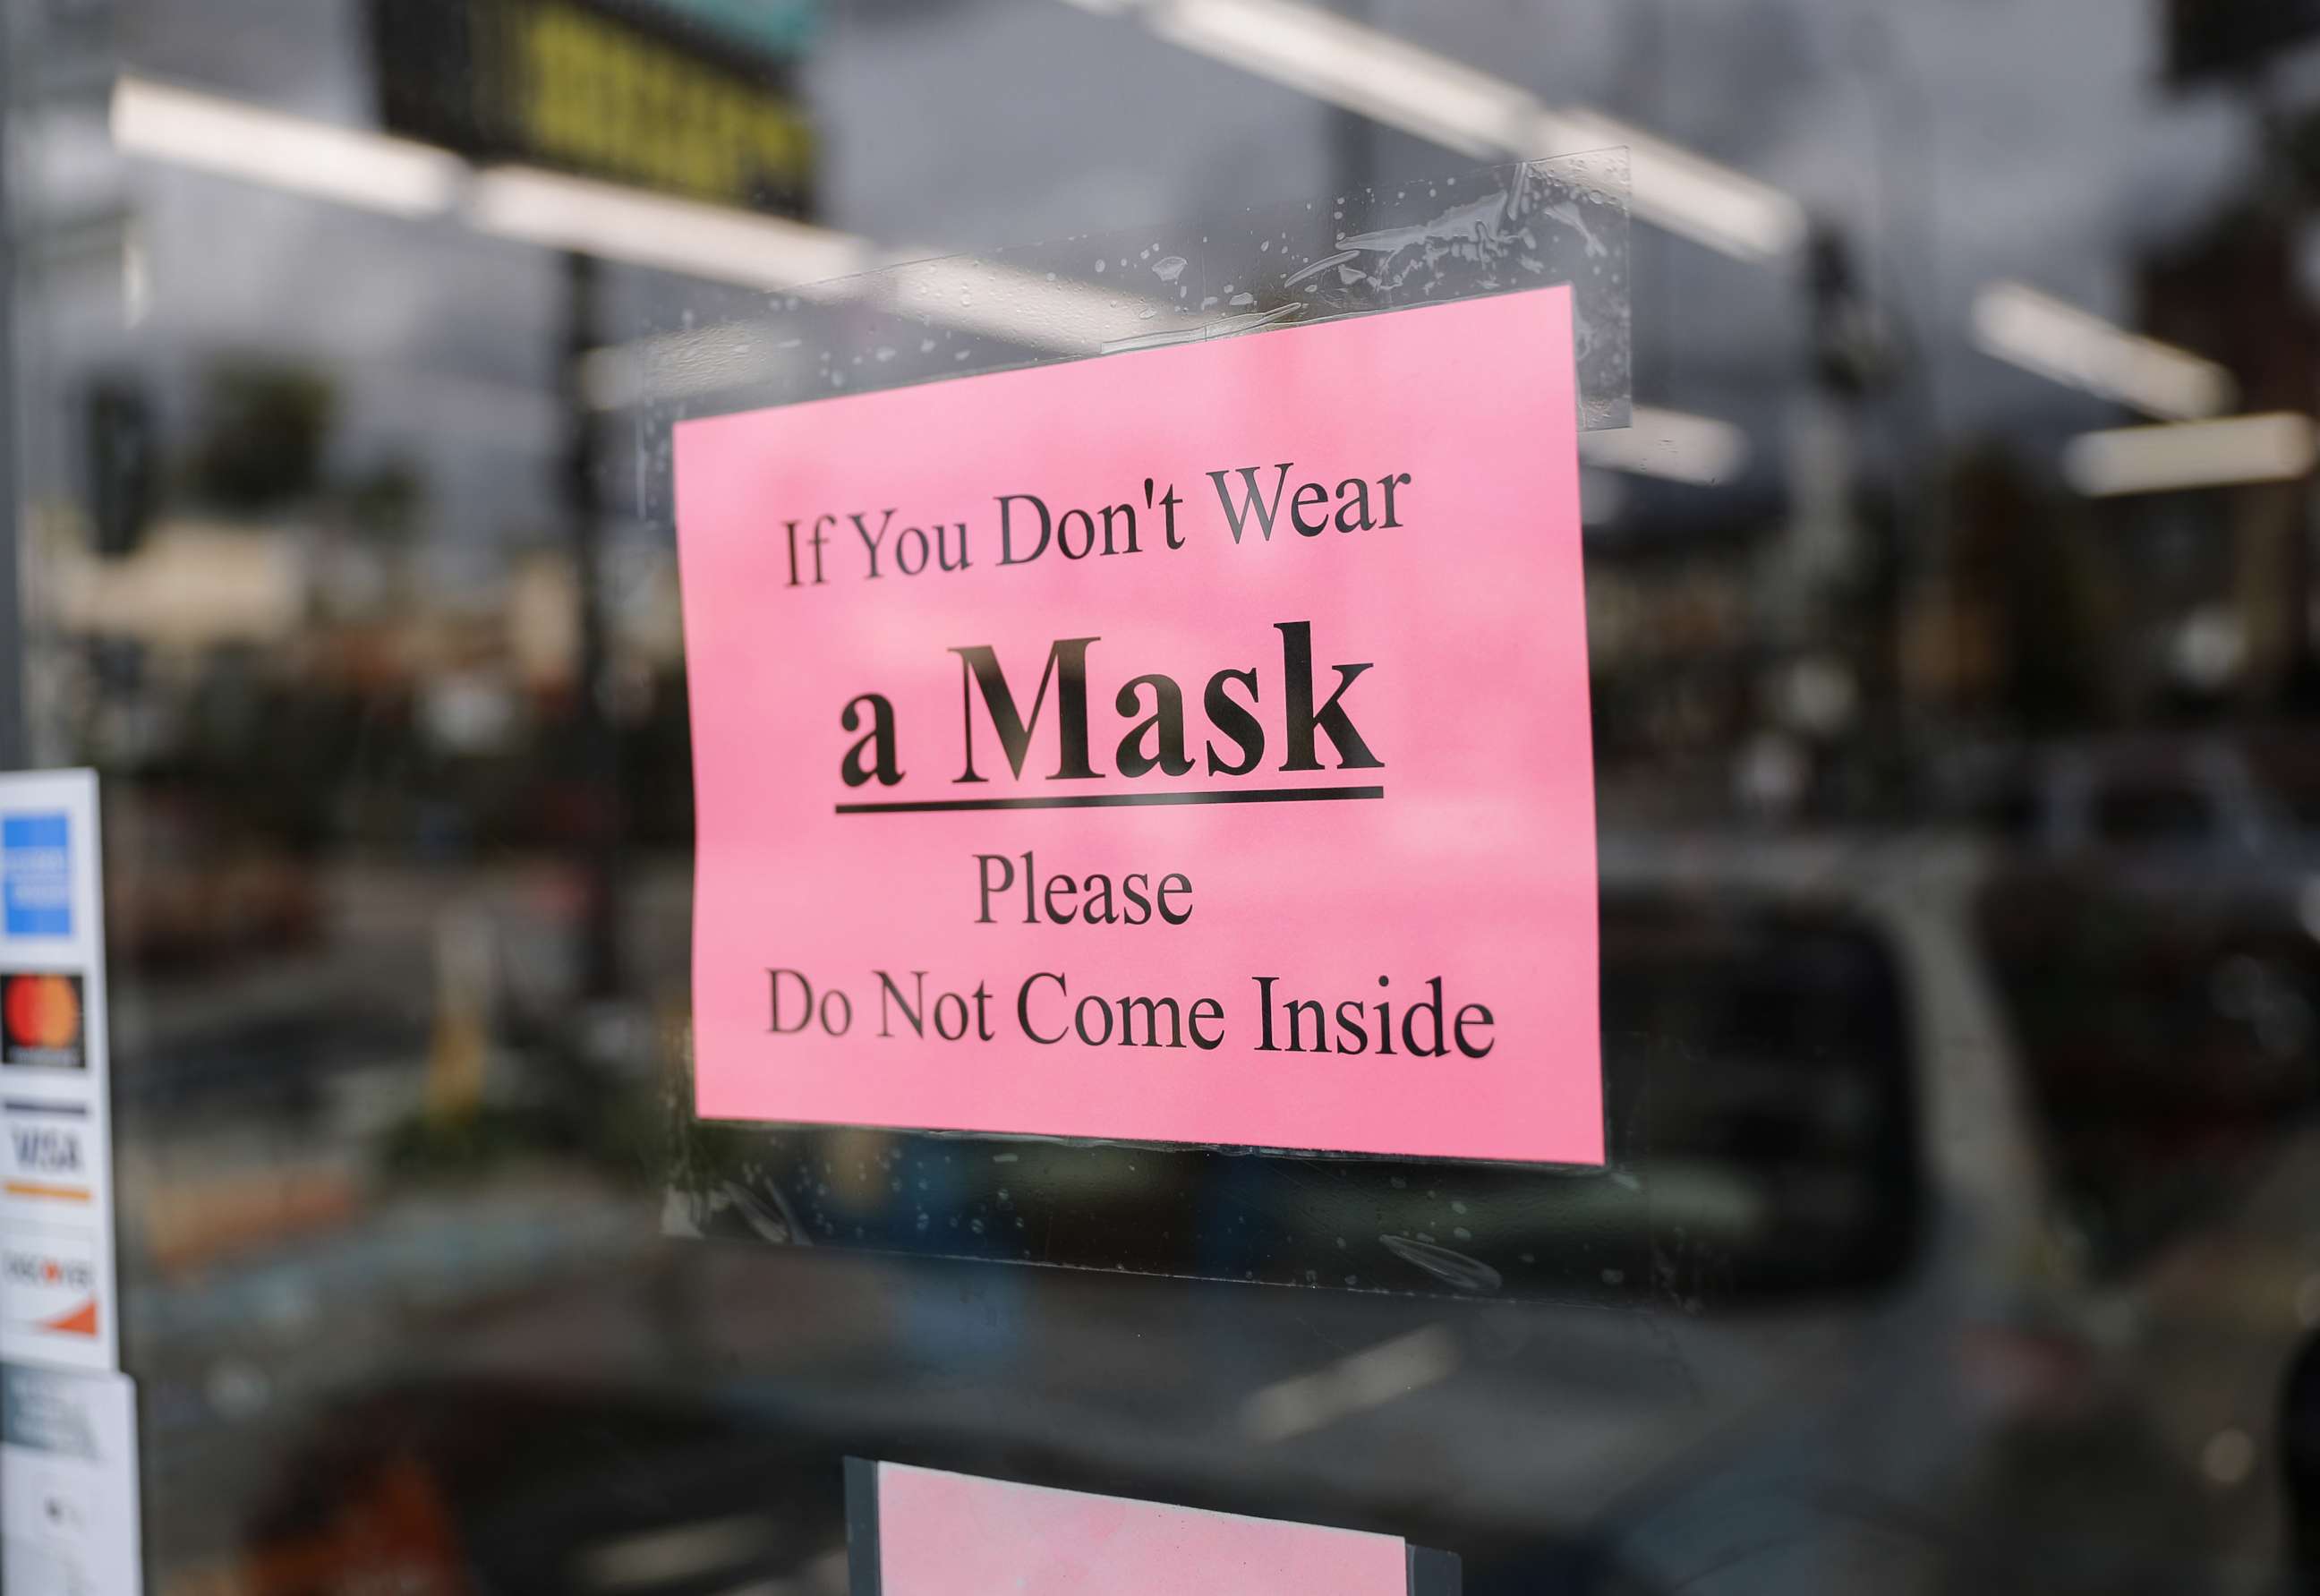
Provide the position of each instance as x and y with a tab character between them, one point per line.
68	1508
57	1301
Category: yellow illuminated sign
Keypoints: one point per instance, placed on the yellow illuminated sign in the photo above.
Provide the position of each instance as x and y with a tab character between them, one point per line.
593	94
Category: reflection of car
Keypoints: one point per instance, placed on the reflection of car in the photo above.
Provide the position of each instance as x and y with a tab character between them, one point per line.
1830	1321
2285	764
2203	828
2154	923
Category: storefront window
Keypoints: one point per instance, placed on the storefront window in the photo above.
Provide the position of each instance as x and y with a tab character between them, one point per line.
1715	608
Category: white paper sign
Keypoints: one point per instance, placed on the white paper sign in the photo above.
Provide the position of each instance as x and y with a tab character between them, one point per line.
68	1510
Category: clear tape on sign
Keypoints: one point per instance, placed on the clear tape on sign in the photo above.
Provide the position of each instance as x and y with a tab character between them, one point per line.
1493	230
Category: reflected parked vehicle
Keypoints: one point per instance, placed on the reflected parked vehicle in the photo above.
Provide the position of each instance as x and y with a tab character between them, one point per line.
2198	827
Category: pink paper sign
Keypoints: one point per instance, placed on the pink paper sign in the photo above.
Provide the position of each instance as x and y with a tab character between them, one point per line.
955	1534
1186	746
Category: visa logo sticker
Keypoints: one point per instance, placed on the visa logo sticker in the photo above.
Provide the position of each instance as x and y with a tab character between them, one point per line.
47	1160
46	1149
36	875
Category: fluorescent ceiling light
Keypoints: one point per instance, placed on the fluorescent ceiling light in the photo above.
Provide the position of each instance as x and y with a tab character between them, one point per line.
1035	308
2018	324
357	167
352	166
1686	194
1389	80
957	292
645	229
1668	444
2275	446
1355	67
616	222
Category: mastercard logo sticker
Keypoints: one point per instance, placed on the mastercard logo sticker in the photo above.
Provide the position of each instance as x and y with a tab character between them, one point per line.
41	1020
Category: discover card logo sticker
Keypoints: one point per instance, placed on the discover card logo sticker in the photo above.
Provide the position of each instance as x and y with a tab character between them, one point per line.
48	1281
36	875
